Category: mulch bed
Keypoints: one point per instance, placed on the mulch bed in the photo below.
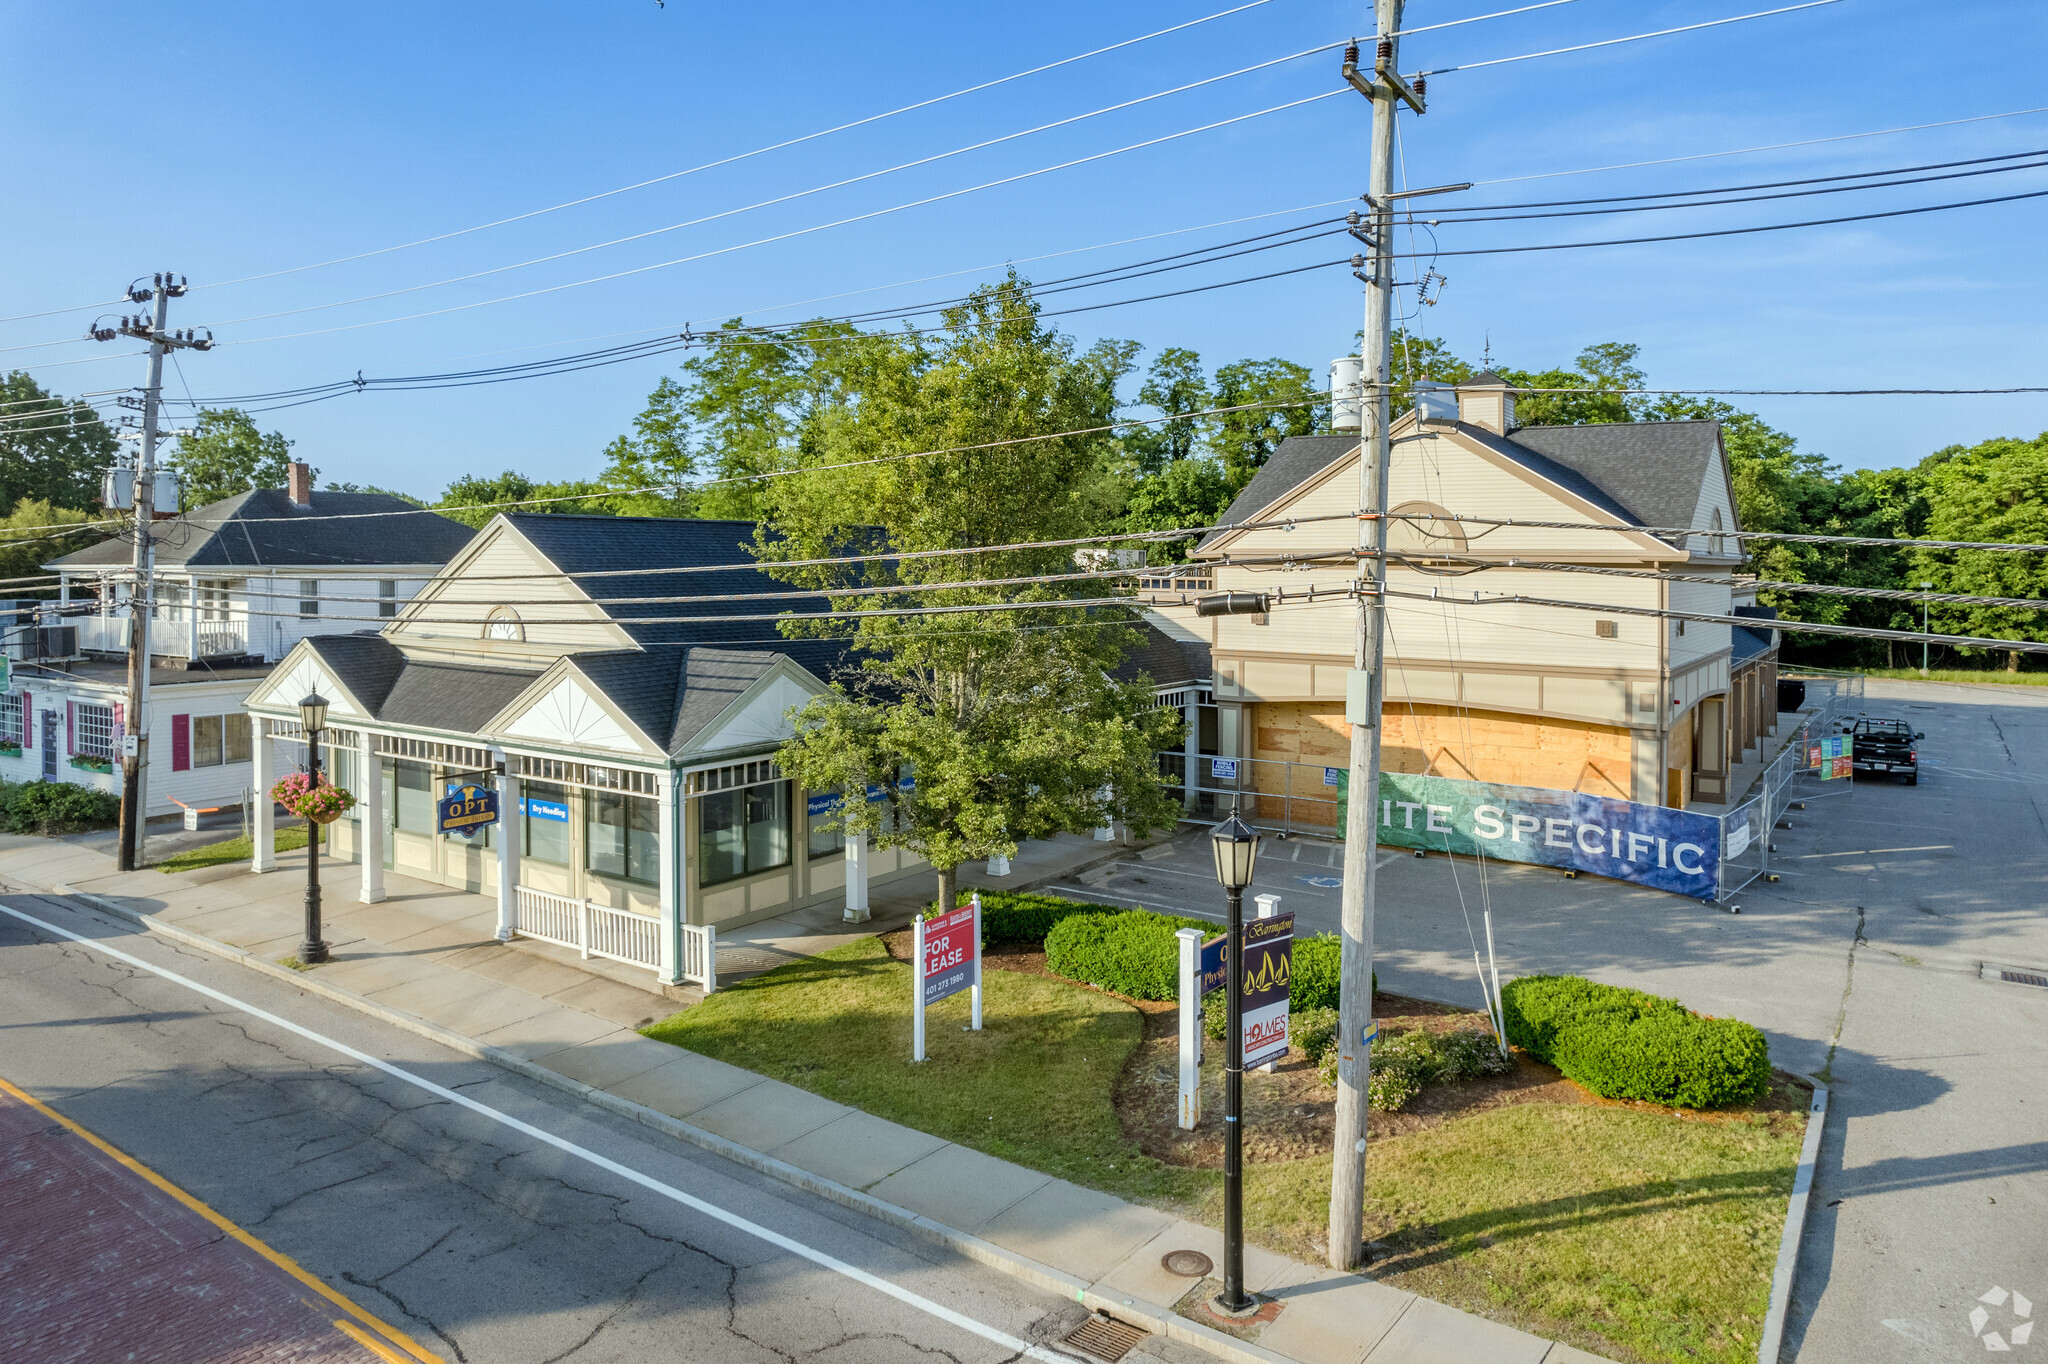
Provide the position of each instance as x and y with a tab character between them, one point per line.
1289	1114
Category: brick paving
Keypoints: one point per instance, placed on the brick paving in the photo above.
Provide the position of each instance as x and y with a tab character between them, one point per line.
100	1266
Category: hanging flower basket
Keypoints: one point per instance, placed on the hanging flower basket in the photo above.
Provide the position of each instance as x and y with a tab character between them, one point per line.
320	802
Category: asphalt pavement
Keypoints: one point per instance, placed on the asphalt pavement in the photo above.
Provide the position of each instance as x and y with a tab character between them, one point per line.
1865	964
492	1218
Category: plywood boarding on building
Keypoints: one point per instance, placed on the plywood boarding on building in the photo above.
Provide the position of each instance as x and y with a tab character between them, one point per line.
1445	741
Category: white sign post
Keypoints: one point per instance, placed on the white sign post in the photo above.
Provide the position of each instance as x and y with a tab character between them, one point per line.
1190	1027
947	952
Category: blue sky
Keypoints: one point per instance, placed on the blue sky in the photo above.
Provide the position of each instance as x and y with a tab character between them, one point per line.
229	140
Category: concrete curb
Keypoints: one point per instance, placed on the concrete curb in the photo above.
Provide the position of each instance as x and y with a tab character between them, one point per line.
1773	1338
1160	1320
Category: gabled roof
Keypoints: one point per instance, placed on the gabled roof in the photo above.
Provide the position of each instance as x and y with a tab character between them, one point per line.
417	693
1746	642
675	693
1641	473
1169	659
266	529
585	544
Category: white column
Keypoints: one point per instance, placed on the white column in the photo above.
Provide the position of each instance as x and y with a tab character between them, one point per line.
511	831
264	857
857	879
1191	750
1107	832
192	630
1190	1026
673	901
370	831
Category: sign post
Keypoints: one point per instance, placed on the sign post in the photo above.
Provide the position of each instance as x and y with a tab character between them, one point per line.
948	954
1191	992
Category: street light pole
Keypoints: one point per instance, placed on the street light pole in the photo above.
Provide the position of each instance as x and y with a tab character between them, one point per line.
1924	587
1236	846
312	719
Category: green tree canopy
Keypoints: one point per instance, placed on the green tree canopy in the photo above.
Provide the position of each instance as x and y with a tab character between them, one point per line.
474	500
51	450
227	454
1295	405
36	532
1994	490
1009	720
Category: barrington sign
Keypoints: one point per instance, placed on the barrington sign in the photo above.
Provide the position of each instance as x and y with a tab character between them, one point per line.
1670	850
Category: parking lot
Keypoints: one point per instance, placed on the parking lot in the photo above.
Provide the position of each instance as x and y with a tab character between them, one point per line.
1867	964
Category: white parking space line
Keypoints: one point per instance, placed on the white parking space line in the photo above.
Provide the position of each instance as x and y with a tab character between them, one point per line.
774	1238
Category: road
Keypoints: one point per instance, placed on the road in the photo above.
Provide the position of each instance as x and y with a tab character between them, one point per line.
489	1217
1863	964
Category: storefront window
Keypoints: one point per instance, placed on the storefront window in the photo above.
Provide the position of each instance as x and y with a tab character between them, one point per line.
545	817
742	832
623	836
826	837
413	803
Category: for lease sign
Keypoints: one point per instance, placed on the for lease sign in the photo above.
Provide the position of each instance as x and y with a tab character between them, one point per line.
949	956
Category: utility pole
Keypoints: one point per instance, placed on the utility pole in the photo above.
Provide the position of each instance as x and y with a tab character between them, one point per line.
142	595
1365	690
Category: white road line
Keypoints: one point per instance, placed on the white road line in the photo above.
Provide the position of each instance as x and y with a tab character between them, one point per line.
712	1210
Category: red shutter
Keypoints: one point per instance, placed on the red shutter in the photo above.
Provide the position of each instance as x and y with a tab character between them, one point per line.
71	727
120	720
181	742
28	721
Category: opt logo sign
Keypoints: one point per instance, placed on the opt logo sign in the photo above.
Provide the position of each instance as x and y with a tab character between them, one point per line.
2013	1324
949	956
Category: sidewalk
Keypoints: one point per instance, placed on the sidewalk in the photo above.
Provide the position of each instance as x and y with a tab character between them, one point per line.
563	1026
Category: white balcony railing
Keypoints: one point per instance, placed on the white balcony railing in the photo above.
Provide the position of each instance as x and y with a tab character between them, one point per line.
101	634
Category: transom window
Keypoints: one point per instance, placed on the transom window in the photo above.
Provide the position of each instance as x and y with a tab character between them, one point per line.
504	623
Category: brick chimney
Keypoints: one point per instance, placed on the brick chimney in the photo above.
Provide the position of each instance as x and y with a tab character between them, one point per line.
301	484
1486	400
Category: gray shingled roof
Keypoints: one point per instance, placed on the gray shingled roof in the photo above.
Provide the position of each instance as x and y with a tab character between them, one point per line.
673	693
266	529
1643	473
577	544
416	692
1169	662
1746	642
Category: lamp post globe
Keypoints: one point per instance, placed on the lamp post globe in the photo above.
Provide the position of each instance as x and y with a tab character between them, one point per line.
313	719
1236	846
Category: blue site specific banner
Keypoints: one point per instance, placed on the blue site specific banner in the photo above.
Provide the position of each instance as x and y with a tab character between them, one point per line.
1650	845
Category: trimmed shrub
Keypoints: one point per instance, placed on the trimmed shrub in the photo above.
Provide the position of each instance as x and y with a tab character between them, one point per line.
1312	1031
1131	953
1404	1062
1625	1044
1009	916
1313	981
57	807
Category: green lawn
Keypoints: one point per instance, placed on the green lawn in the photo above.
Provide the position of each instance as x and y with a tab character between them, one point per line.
1627	1232
239	849
1034	1086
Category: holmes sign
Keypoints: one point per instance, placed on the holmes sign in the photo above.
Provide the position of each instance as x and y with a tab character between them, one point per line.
1672	850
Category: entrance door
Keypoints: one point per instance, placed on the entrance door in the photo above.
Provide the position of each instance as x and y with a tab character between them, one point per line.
49	737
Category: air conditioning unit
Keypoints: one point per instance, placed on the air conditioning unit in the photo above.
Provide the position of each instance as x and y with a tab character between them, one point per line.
57	643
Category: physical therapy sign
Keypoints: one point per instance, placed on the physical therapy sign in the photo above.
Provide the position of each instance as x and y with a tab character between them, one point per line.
1672	850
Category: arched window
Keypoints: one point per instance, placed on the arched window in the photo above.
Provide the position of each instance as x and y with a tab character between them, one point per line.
1717	544
503	623
1424	533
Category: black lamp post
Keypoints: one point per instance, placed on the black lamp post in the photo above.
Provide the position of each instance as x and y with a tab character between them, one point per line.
1236	845
313	719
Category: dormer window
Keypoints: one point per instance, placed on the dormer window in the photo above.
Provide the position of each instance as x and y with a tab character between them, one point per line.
503	623
1716	542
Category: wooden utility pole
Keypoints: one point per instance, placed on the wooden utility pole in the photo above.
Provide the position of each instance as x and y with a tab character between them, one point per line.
1364	693
142	594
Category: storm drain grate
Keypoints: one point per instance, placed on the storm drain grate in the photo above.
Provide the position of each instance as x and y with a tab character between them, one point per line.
1105	1338
2014	975
2023	978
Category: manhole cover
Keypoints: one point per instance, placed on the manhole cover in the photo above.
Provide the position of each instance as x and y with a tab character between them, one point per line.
1105	1338
1191	1264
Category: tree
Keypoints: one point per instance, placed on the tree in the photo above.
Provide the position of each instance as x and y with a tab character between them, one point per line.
37	532
656	457
1994	490
1415	358
334	487
1174	386
50	450
474	500
1189	492
1245	440
227	455
1008	721
1609	367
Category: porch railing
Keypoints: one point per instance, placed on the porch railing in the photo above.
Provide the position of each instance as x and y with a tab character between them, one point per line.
620	935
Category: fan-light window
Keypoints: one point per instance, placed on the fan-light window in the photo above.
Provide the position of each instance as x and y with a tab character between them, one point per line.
503	623
1424	534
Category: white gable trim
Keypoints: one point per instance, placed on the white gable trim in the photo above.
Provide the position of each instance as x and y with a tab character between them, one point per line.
302	672
562	710
761	713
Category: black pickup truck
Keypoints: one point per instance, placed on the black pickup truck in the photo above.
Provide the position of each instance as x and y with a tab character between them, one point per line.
1885	746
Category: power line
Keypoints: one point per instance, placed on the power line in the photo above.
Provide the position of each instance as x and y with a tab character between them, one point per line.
1477	18
1791	536
1770	147
1632	38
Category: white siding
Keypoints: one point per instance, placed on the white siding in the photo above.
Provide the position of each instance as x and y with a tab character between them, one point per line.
1699	640
1714	497
204	786
554	615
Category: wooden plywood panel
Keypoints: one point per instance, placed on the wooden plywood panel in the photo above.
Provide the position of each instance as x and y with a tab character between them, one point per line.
1440	740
